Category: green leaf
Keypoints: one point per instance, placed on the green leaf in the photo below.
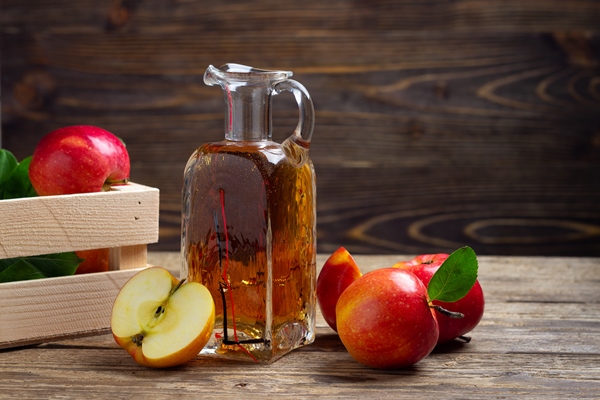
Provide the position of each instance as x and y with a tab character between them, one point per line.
455	277
8	163
36	267
18	185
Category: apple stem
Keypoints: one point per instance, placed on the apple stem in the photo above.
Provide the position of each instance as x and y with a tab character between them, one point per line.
467	339
181	282
108	184
451	314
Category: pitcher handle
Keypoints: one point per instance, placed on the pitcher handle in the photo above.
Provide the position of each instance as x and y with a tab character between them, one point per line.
306	121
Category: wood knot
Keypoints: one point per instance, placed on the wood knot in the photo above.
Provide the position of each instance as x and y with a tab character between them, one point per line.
34	90
441	90
578	48
416	130
120	13
595	142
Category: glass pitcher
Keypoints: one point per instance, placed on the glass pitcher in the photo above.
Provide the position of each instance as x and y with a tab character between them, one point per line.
249	220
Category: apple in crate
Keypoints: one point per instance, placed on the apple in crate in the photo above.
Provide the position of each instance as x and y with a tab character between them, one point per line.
161	321
80	159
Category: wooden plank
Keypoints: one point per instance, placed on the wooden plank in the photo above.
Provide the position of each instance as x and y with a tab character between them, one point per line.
438	123
458	131
98	368
58	308
128	257
235	16
527	346
125	216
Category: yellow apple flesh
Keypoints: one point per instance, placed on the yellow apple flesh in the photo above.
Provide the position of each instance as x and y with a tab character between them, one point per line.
159	321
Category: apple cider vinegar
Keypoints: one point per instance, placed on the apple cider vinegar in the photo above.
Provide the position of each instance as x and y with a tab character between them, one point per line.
248	231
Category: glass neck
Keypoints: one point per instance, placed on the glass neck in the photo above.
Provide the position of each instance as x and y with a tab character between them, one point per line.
248	93
248	116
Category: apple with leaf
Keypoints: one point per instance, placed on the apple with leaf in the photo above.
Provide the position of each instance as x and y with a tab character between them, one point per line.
389	318
471	305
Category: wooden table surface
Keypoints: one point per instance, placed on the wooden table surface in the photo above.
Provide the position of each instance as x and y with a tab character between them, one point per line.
539	337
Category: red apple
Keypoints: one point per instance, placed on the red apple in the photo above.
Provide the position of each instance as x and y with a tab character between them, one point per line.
472	305
338	272
385	321
95	260
78	159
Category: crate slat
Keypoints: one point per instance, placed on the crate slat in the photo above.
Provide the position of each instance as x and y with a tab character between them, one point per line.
127	215
127	257
58	308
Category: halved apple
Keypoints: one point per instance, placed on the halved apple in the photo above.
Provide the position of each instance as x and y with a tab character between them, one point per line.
161	321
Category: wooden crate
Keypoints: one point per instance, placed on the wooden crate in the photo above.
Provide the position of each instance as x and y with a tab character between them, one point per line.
124	220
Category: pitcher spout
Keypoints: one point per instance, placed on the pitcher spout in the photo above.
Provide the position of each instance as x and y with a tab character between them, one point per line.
238	73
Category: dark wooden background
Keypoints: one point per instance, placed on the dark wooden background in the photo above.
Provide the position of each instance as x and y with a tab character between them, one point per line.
439	123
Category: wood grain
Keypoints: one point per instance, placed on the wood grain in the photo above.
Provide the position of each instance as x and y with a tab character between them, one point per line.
538	338
127	257
438	123
52	309
125	216
124	219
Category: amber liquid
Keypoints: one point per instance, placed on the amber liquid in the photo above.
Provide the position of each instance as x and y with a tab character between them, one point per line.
249	237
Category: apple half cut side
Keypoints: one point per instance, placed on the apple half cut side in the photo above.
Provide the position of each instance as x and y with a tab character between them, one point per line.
161	321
